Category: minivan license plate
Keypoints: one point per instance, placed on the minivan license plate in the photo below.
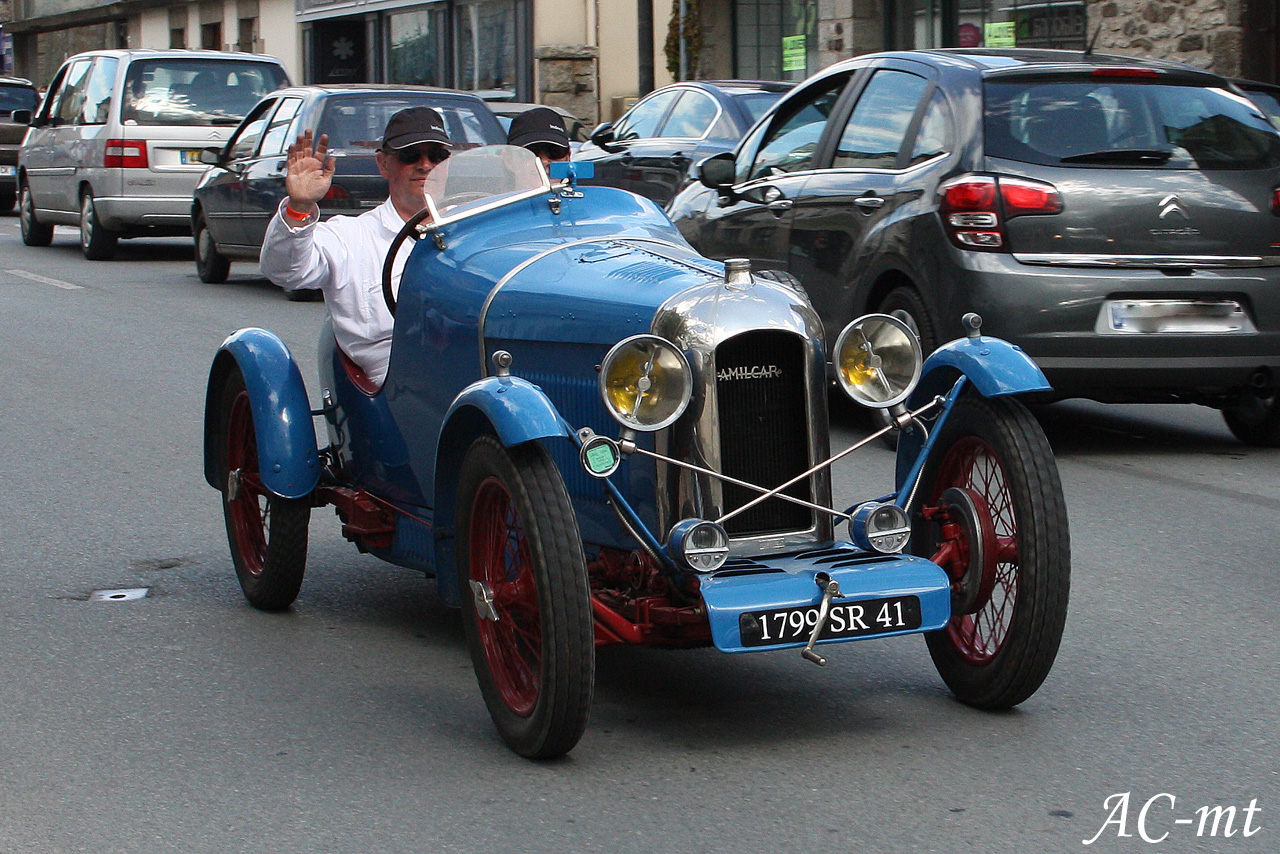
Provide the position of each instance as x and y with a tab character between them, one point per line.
191	155
845	620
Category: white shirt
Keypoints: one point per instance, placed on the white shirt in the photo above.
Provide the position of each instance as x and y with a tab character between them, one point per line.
342	256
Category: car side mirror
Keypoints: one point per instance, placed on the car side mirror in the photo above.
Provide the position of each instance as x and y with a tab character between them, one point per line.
718	171
603	137
21	117
211	156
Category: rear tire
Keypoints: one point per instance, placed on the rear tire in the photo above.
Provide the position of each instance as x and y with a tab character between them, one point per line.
906	305
526	604
999	528
34	233
267	534
1255	419
211	265
96	242
7	199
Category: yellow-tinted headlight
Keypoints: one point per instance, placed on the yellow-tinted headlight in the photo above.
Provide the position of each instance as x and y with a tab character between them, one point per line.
645	382
878	360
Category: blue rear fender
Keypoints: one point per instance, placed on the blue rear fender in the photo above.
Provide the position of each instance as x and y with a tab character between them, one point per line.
288	459
514	410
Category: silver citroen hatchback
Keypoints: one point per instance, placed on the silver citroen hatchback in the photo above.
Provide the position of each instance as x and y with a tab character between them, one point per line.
115	147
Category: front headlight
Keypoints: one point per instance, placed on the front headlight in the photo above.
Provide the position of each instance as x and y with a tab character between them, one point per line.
646	382
877	360
698	545
880	527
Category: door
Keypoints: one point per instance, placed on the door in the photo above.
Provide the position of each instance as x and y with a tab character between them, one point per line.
224	196
53	152
773	165
847	211
615	162
263	178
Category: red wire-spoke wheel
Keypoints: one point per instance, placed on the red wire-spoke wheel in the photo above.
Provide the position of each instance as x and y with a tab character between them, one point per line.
267	534
990	512
526	603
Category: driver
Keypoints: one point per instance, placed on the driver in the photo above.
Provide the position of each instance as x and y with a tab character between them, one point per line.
343	256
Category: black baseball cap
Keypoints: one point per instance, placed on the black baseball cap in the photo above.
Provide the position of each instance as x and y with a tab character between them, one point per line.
415	125
541	124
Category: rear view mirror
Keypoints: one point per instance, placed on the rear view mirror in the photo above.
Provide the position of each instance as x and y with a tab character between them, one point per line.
21	117
603	137
717	172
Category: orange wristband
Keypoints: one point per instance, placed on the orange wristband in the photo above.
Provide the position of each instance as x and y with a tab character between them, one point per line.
296	216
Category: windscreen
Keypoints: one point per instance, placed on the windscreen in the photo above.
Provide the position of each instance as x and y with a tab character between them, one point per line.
355	123
196	92
482	178
1103	121
16	98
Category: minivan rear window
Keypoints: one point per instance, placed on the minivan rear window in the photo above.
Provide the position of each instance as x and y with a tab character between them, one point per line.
1105	122
196	92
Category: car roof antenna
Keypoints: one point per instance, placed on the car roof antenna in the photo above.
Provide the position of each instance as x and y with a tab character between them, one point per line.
1088	51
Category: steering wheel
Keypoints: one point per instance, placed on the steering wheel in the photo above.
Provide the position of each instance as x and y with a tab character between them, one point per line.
410	229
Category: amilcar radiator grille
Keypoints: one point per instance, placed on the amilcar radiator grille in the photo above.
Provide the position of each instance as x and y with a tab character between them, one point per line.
764	437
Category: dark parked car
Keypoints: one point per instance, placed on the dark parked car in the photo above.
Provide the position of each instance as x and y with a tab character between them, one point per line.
650	150
16	94
1118	219
238	195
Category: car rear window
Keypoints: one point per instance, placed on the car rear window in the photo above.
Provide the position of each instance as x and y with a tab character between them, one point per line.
1105	122
196	92
756	104
355	123
16	98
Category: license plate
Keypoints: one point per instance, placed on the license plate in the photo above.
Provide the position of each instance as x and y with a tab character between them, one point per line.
845	620
190	155
8	171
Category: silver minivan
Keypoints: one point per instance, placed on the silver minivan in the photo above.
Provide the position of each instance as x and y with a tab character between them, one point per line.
115	147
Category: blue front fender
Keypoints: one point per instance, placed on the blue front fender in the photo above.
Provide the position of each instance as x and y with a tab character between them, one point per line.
517	409
994	367
288	460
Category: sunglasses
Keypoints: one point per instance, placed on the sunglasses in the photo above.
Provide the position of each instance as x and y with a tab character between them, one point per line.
550	151
414	153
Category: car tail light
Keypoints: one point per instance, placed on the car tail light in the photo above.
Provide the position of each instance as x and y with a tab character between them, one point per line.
1124	71
336	191
126	153
976	207
1275	201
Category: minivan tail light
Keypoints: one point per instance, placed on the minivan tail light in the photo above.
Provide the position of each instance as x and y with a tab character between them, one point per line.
126	153
975	208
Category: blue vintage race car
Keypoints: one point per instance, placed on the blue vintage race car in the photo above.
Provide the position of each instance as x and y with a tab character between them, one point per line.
589	435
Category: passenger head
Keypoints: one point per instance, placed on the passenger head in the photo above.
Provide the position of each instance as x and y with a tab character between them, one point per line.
413	144
541	130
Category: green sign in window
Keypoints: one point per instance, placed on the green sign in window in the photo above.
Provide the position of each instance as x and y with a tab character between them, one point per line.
793	53
1001	34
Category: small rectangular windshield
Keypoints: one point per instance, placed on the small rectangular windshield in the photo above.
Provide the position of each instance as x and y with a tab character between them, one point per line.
196	91
1101	121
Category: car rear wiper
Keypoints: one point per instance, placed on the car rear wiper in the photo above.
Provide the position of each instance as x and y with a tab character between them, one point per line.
1122	155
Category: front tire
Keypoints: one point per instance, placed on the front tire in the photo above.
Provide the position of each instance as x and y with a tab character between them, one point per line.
990	511
1255	419
211	265
526	604
96	242
906	305
267	534
34	232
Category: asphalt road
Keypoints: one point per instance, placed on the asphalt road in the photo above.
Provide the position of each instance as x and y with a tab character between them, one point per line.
188	722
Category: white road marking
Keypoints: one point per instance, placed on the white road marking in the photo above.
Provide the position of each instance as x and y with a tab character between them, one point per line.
45	280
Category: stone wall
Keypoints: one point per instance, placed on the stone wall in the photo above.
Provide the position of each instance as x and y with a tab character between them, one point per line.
1204	33
567	78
